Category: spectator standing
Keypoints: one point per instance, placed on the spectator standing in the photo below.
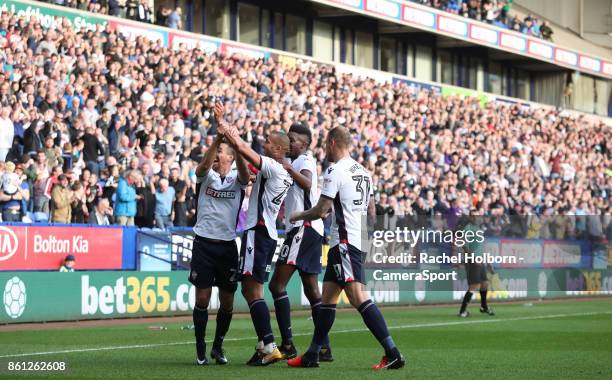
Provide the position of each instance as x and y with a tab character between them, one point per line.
92	150
114	8
164	198
143	12
7	132
145	207
80	213
546	31
131	9
161	17
125	204
61	200
12	201
174	19
180	189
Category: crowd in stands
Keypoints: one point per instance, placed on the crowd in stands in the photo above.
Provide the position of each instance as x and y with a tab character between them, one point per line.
495	12
96	128
137	10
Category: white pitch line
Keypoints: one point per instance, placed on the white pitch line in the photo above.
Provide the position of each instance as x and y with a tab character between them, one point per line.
438	324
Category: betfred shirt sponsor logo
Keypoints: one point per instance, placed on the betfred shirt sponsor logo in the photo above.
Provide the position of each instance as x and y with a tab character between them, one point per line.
8	243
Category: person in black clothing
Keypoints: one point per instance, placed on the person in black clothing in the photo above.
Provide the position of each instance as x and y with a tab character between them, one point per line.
180	189
161	16
131	9
546	31
93	148
80	213
145	204
113	7
31	138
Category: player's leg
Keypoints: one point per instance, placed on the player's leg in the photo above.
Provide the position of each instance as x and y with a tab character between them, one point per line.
323	324
201	275
282	306
224	319
252	290
310	284
226	280
473	279
484	307
255	269
374	320
200	320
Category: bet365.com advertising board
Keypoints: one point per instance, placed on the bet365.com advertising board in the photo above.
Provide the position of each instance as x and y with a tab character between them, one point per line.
53	296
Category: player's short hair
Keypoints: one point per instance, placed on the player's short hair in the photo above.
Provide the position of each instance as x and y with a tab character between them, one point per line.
230	148
281	139
301	129
340	136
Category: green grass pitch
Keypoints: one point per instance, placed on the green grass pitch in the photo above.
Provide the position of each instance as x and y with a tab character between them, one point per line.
564	339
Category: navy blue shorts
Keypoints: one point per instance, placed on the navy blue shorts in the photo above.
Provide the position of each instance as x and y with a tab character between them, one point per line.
256	252
302	248
346	266
214	263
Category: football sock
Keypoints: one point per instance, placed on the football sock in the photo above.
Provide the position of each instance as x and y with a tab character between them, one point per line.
260	314
466	300
483	299
375	321
324	323
269	348
224	318
282	308
200	319
315	308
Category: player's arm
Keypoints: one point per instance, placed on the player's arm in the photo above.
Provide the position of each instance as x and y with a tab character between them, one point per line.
232	136
320	210
209	157
372	212
303	177
243	169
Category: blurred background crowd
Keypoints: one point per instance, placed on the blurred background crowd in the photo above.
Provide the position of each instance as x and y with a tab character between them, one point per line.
95	128
495	12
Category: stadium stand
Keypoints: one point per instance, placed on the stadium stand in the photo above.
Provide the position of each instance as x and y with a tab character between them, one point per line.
95	106
494	12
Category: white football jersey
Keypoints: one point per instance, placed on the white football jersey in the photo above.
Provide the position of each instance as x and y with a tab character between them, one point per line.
349	185
269	191
299	199
219	202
